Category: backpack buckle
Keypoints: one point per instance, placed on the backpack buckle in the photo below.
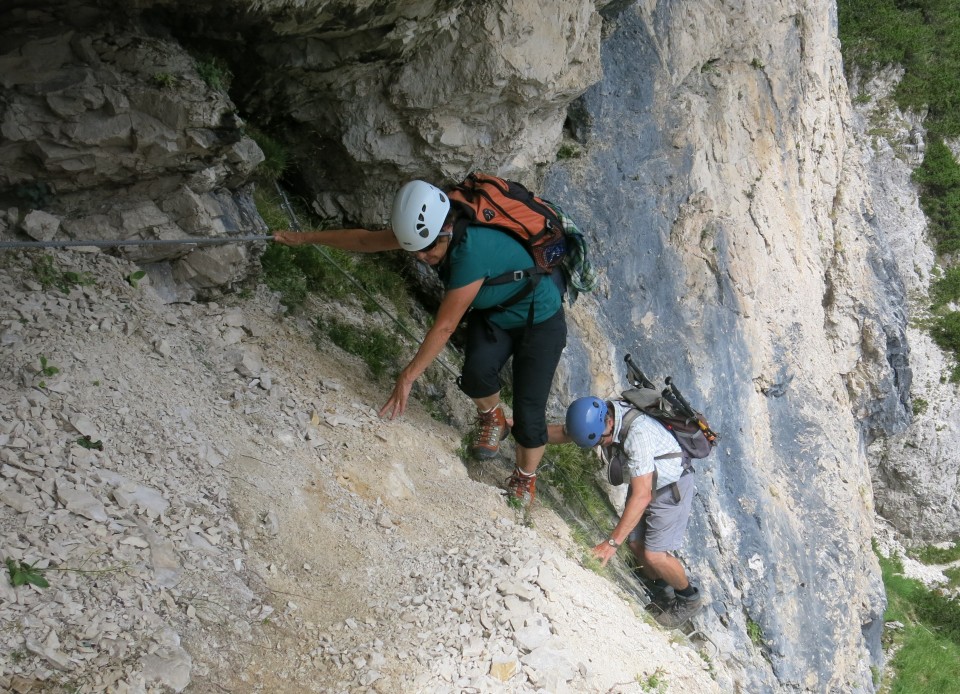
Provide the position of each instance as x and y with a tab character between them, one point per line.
519	275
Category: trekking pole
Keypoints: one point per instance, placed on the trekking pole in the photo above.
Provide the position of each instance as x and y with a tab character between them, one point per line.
675	398
636	375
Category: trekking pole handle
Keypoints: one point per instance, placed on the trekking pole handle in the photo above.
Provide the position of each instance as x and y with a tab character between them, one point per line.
679	396
671	398
636	374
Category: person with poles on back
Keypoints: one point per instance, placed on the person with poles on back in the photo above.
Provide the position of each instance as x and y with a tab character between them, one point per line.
493	278
652	436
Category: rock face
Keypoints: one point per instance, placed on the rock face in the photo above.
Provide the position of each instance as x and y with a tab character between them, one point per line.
114	135
725	199
713	168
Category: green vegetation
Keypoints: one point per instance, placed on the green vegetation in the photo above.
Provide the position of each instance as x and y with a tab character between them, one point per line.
927	648
655	682
573	472
939	180
276	155
568	151
164	80
215	73
936	555
46	368
295	271
379	349
48	274
134	278
923	37
919	406
22	573
755	632
946	289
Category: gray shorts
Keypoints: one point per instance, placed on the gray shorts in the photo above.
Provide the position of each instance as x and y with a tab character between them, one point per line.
663	525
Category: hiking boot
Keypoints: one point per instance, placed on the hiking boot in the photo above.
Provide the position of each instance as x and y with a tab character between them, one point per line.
491	430
660	601
521	486
680	610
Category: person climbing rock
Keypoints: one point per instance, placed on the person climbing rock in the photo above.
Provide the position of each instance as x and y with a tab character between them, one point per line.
659	497
532	329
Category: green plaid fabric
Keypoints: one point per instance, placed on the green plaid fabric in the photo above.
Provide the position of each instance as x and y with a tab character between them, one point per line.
581	275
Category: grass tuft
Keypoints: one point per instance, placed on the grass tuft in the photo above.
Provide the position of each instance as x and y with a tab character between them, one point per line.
379	349
927	649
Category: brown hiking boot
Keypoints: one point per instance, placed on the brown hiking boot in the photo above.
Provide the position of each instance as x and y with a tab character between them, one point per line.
521	486
491	430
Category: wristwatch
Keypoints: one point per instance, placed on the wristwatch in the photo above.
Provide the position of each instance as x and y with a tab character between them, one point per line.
613	543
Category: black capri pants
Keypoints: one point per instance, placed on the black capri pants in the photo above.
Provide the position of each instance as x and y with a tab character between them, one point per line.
536	352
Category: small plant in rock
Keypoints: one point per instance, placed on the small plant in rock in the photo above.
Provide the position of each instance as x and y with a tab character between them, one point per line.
919	406
568	151
48	274
215	73
276	154
22	573
378	348
164	80
89	444
654	682
754	632
46	368
134	278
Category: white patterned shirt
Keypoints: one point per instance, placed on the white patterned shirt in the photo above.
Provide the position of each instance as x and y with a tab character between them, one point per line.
647	439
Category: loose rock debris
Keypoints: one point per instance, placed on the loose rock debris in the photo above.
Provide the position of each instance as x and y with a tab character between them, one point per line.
249	524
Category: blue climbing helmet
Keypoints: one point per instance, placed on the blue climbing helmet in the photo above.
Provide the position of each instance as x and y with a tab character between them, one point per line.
586	421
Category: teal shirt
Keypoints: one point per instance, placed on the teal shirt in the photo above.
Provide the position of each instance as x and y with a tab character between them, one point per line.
485	253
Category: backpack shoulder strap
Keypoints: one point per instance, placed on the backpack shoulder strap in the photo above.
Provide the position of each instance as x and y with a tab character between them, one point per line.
631	416
628	419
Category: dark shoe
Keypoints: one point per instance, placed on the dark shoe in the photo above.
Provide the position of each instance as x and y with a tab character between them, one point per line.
491	430
522	487
660	601
680	610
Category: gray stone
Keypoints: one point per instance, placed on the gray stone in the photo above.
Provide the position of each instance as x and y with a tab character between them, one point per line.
139	496
170	666
81	502
18	502
547	659
40	225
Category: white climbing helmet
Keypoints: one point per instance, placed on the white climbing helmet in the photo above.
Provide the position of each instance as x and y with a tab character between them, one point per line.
419	210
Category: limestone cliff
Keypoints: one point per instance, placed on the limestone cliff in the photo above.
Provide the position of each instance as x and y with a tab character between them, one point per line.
708	154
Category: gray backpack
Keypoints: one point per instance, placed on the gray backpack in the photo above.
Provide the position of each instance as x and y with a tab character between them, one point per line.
672	410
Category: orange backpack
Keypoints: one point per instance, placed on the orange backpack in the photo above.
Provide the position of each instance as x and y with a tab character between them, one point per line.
507	205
